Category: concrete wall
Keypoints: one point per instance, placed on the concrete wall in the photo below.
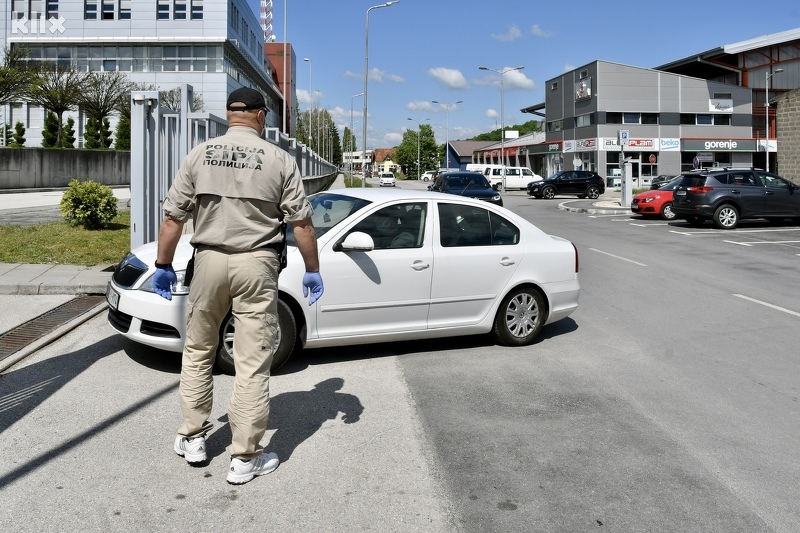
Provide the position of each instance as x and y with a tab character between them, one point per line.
26	168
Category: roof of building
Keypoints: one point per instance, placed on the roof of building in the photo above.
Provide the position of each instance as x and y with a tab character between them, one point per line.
384	154
465	148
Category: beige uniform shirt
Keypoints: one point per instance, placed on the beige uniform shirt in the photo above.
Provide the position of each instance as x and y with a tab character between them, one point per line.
239	187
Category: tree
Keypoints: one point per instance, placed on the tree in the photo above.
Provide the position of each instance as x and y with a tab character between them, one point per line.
406	154
15	76
91	135
68	134
8	132
58	89
123	134
103	93
105	134
19	136
172	100
349	142
50	131
527	127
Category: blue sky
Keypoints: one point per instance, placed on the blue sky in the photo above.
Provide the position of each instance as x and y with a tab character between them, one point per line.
424	50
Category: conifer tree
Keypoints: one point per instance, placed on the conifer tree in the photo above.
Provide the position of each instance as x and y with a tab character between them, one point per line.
50	131
68	134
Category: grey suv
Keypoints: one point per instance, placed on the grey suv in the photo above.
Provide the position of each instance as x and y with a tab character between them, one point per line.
727	195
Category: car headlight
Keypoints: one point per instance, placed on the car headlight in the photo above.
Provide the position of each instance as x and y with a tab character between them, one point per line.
178	288
496	198
649	199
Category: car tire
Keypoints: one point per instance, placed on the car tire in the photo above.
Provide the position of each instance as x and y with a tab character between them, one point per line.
520	317
593	193
726	217
666	212
286	338
549	193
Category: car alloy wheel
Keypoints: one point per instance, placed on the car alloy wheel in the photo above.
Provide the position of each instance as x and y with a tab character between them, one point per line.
285	338
666	212
593	193
726	217
549	192
520	317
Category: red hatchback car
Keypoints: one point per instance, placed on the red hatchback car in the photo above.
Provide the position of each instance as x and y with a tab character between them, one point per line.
655	203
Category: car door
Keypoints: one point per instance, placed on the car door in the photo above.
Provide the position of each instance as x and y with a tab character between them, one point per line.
781	198
476	251
514	178
386	289
747	191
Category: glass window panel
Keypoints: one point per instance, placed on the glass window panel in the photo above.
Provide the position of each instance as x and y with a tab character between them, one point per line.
156	51
214	51
199	65
37	9
139	65
168	65
90	10
108	10
52	8
125	52
82	52
185	51
95	52
199	51
197	9
125	9
124	65
170	51
139	51
65	52
95	65
109	65
185	65
705	119
630	118
50	52
156	64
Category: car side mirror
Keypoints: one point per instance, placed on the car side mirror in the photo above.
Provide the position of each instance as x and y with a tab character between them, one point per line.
357	241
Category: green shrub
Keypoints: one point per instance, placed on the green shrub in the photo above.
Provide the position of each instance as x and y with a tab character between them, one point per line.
88	204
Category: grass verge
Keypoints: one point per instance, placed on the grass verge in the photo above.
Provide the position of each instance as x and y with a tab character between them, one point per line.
60	243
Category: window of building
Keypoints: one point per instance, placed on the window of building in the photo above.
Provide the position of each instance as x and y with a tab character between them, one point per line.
163	10
722	120
613	117
687	119
124	9
179	10
630	118
554	86
52	9
19	9
108	10
723	96
36	9
703	119
555	125
649	118
583	74
584	120
197	9
90	9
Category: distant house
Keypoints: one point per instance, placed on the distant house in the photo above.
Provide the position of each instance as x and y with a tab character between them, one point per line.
383	161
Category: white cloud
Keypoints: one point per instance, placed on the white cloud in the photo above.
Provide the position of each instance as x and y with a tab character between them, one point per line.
514	79
568	67
302	97
377	75
539	32
424	105
393	139
491	113
450	77
512	33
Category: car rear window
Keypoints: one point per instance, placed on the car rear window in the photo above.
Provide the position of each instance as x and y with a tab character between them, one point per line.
689	180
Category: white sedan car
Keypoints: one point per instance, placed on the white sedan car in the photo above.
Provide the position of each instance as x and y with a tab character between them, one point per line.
397	264
387	178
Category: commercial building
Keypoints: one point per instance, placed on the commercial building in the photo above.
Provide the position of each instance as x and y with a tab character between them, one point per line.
704	110
213	45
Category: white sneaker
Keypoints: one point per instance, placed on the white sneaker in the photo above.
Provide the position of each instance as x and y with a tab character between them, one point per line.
193	450
242	472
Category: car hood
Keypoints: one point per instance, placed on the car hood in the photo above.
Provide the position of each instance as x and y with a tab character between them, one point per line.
651	194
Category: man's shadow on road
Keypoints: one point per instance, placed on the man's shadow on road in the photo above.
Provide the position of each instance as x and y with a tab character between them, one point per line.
296	416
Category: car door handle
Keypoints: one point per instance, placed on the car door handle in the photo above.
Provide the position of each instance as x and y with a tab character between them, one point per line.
506	262
769	193
420	265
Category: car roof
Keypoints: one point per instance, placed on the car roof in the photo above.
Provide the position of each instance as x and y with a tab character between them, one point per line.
376	195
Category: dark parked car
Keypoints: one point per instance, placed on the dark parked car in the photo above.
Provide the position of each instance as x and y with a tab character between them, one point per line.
582	183
470	184
727	195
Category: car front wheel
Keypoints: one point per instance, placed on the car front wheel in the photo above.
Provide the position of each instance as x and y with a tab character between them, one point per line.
520	317
549	192
666	212
726	217
285	338
593	193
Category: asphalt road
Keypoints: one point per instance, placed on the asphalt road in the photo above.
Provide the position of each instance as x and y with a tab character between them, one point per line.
668	401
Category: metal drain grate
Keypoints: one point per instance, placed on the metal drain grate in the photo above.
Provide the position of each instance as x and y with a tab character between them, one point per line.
18	338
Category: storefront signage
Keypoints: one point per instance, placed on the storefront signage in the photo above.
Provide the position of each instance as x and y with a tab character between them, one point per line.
612	145
719	145
720	105
585	145
669	145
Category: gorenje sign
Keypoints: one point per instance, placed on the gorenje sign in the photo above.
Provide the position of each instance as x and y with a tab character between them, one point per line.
719	145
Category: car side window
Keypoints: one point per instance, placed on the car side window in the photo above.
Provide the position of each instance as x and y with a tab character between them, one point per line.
512	172
466	225
396	226
741	179
774	181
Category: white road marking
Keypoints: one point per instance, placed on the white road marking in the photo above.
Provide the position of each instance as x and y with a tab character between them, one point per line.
751	243
783	309
617	257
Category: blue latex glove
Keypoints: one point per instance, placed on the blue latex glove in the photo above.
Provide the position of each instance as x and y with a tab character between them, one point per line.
312	282
163	280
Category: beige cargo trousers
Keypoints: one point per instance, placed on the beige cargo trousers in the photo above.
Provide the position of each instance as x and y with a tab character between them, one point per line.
247	283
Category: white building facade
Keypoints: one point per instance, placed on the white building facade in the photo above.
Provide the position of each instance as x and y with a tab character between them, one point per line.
213	45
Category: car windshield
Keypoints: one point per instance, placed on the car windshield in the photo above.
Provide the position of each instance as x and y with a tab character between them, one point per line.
329	210
464	182
671	184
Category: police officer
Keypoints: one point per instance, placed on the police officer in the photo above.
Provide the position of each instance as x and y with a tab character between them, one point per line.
239	188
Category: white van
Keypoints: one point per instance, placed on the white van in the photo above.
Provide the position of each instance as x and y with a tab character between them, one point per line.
516	177
476	167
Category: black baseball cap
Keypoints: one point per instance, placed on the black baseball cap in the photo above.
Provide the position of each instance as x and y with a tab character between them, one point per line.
245	98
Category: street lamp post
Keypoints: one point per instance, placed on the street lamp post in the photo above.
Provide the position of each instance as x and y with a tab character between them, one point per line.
311	96
366	77
286	105
447	128
502	116
350	137
766	107
419	134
